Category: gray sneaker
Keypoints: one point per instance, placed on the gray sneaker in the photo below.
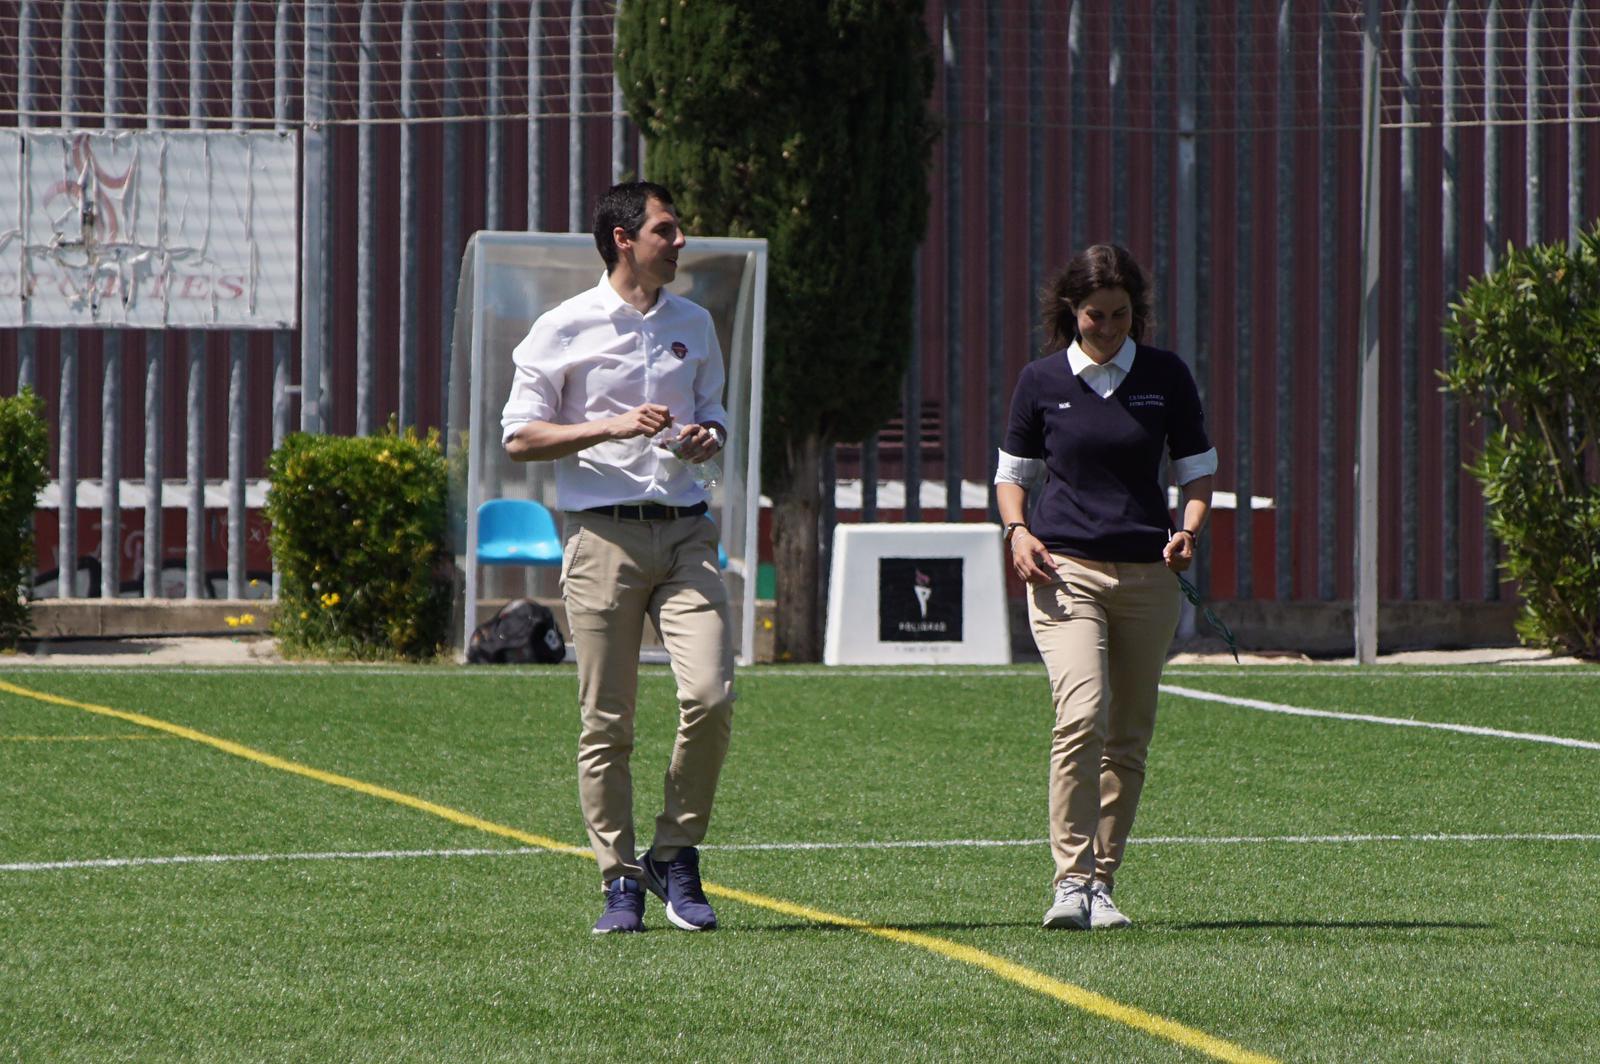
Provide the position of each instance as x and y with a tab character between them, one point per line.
1103	912
1070	908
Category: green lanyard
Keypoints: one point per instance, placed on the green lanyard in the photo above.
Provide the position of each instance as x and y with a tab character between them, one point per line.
1192	593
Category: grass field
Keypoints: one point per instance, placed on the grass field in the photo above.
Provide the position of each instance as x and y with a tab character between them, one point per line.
385	887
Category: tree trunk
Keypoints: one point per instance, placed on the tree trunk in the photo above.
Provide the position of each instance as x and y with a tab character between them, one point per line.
796	506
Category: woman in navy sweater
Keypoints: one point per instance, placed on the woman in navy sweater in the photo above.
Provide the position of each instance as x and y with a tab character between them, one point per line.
1089	424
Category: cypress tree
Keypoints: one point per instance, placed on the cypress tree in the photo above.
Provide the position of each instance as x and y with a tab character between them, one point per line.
805	123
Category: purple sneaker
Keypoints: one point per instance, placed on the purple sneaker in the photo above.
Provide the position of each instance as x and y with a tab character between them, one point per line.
624	908
677	882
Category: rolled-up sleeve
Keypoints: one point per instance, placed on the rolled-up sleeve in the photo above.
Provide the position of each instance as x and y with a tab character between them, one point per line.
709	379
540	361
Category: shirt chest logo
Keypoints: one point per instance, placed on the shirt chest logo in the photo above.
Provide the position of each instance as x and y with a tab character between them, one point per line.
680	350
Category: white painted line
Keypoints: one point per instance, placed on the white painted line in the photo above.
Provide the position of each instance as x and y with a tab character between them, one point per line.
916	844
1367	718
229	858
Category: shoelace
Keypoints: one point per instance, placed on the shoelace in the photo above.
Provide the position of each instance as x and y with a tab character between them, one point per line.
1064	892
685	876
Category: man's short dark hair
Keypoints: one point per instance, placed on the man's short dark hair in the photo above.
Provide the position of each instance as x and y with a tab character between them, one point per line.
623	206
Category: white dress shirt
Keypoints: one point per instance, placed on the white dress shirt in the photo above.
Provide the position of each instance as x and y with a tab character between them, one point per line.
1103	378
595	356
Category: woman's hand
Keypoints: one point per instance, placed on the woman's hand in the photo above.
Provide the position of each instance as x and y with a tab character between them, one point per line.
1179	551
1031	559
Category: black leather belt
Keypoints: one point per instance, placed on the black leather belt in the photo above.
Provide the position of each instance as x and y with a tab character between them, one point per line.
649	511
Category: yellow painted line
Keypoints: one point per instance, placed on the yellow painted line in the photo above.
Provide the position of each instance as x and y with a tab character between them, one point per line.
1076	996
74	738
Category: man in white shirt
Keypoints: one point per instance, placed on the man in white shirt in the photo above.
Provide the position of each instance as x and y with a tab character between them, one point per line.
603	383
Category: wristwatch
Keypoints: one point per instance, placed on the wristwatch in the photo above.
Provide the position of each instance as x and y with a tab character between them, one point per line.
1005	537
718	435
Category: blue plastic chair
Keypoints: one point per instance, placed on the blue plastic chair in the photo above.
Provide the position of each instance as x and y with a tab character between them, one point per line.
517	532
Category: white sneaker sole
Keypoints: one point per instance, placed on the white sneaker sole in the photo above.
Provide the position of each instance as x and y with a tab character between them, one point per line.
683	925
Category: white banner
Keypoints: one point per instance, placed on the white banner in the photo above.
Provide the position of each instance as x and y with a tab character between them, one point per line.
148	228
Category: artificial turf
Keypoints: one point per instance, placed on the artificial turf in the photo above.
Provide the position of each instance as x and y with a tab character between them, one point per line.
1338	949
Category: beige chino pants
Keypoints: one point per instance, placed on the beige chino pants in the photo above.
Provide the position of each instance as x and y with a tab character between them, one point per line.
1104	629
614	573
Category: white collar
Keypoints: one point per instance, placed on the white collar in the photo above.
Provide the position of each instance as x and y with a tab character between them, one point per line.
610	300
1078	361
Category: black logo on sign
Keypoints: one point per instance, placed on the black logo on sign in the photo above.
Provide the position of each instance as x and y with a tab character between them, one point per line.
919	600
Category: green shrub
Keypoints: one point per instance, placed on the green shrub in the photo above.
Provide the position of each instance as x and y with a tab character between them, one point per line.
358	535
25	443
1527	341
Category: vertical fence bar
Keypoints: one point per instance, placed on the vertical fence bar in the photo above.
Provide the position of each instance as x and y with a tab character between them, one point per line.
535	105
67	418
954	266
155	348
1327	356
911	437
1574	126
195	414
313	234
1195	42
111	356
366	224
1366	558
281	338
450	224
1077	96
995	311
1451	240
1036	149
869	478
575	119
238	345
1284	447
27	339
1186	239
407	370
1410	499
1117	91
1491	243
494	168
1244	307
1161	137
619	124
1533	142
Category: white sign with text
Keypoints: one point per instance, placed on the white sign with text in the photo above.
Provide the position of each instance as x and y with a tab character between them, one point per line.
148	228
924	594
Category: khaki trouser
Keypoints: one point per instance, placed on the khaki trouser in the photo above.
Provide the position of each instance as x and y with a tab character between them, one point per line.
615	572
1104	629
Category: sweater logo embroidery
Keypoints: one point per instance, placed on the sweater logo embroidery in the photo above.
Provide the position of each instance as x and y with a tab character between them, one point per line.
1148	399
1063	406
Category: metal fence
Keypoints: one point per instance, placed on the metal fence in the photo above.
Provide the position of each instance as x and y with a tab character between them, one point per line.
1221	142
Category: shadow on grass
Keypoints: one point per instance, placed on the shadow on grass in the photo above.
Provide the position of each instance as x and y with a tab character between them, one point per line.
1147	925
1320	925
953	925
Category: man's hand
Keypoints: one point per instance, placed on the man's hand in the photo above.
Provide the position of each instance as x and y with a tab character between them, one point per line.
1031	559
646	419
696	443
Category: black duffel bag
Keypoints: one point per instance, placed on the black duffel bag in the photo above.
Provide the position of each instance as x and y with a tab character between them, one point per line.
522	632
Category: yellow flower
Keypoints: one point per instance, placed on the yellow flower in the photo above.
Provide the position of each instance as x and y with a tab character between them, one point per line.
330	600
233	622
304	615
247	618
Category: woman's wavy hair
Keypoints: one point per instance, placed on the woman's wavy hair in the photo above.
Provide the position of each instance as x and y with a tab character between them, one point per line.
1094	268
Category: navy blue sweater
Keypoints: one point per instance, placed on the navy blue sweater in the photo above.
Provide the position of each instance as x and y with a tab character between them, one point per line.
1102	498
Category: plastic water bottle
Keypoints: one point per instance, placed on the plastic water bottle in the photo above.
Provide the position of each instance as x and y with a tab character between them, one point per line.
707	474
